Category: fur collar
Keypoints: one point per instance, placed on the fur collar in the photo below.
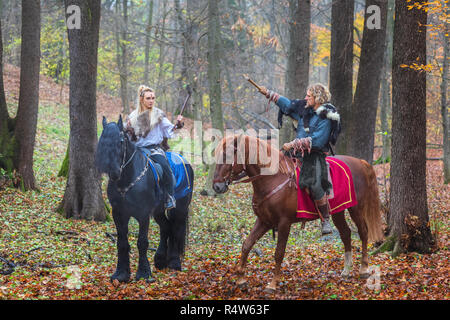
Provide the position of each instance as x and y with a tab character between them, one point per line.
328	111
143	123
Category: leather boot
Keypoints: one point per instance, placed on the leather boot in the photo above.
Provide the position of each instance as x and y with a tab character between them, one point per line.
170	202
326	226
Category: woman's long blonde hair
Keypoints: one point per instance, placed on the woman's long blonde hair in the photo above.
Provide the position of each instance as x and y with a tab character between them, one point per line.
141	92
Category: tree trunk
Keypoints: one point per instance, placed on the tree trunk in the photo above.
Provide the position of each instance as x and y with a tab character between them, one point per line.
385	94
83	195
162	45
365	102
445	105
121	25
408	219
341	65
297	73
191	52
17	136
4	116
6	123
214	82
124	67
147	41
25	130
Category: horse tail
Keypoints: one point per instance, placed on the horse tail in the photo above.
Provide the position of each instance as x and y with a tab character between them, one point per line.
371	205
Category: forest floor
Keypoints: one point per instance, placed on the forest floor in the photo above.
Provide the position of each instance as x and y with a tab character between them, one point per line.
45	256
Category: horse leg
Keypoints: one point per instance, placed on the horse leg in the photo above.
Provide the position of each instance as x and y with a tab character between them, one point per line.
345	234
144	270
160	257
283	234
356	214
122	272
177	220
259	229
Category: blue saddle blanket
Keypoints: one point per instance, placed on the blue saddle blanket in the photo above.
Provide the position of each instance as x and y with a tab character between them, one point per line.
183	183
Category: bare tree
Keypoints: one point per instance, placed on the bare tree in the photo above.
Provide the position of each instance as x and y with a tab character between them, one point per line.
297	73
214	80
408	212
83	195
444	102
341	65
365	101
17	136
385	89
121	50
147	41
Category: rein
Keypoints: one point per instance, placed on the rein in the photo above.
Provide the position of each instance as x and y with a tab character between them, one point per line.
229	180
123	191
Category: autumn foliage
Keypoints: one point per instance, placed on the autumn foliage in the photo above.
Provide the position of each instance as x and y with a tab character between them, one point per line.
44	256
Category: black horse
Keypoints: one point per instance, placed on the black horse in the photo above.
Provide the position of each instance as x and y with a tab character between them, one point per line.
133	192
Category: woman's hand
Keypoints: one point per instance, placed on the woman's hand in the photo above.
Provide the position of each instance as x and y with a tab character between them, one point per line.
179	124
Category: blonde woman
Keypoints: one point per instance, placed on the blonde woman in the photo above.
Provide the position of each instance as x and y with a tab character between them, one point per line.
317	126
149	127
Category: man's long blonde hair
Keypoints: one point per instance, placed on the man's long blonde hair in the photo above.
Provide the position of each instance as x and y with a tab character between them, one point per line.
141	92
320	93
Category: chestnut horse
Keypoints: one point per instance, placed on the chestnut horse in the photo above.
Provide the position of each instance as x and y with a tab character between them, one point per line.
275	199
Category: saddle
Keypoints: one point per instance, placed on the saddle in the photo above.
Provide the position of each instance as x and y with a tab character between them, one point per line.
182	182
342	197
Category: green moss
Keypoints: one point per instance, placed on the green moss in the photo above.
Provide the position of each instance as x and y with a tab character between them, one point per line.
64	171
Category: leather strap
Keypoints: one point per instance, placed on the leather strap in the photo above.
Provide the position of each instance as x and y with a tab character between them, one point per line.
267	196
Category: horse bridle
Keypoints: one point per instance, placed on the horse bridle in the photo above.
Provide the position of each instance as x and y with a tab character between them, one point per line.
123	191
123	144
237	178
234	178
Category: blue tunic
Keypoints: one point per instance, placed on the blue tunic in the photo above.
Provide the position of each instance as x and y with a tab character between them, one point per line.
319	129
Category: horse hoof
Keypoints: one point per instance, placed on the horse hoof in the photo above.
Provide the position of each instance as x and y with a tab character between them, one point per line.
345	274
120	276
145	275
147	280
175	266
364	275
270	290
150	280
160	262
242	284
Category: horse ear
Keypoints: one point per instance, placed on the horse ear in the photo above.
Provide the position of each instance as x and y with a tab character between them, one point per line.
104	122
120	123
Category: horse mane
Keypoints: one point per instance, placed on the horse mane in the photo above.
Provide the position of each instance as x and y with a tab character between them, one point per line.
251	150
106	146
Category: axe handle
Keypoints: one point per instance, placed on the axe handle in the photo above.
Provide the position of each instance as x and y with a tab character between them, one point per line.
252	82
184	104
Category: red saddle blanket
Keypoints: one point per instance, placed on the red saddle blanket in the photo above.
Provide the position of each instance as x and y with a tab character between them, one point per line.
343	196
